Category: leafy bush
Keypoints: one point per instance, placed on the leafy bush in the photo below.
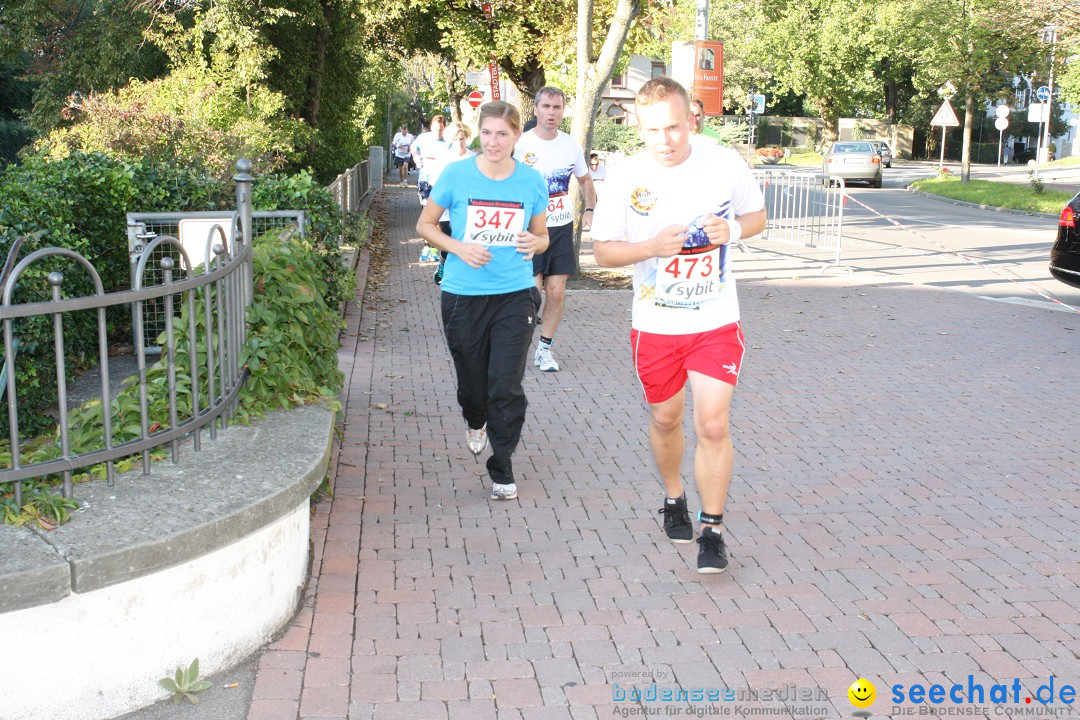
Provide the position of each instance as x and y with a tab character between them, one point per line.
612	137
192	117
728	133
290	353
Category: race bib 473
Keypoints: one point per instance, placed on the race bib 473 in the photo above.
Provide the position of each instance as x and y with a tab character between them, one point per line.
494	222
690	280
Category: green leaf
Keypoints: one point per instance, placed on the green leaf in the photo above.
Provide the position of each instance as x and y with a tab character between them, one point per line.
200	685
168	685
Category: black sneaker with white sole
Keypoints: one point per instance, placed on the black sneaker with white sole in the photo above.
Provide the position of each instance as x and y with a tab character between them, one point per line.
712	555
677	523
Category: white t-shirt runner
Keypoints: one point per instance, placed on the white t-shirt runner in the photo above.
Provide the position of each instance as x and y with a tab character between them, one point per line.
403	144
692	292
556	160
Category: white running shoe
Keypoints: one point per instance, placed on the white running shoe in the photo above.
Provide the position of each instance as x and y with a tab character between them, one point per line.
545	359
503	492
477	439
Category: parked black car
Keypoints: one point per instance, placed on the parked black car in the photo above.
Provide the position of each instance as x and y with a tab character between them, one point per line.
1065	255
1029	154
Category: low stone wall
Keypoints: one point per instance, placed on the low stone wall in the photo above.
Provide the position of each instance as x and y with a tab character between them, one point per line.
205	558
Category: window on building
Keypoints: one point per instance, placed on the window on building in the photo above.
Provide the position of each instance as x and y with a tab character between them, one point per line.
658	69
619	80
617	114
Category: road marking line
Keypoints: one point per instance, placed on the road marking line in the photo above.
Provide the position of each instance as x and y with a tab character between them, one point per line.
1028	302
1024	284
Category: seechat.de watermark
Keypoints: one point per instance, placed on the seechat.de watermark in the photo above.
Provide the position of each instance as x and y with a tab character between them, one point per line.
1052	698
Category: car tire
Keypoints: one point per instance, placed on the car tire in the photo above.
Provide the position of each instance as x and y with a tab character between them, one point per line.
888	164
876	182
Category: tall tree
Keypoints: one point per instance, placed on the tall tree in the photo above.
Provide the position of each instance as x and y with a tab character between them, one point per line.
977	45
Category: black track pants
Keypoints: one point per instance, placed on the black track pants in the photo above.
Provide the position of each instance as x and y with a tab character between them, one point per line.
489	337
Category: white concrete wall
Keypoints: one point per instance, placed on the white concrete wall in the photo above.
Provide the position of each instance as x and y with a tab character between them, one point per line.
218	608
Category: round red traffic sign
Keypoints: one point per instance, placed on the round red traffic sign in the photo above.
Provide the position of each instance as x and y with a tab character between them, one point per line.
476	98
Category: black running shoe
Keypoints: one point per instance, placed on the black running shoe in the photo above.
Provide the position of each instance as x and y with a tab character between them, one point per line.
677	523
712	555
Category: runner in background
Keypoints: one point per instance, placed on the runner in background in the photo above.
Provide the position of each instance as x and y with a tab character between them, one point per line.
597	171
498	208
702	133
458	135
557	156
428	146
672	212
402	145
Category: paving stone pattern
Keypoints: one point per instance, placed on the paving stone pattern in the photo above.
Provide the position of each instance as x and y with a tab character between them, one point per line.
904	508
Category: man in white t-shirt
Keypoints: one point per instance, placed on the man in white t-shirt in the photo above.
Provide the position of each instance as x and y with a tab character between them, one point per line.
672	211
402	146
426	148
557	156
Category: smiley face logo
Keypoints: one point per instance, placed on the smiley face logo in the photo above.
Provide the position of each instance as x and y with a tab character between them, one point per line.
529	159
862	693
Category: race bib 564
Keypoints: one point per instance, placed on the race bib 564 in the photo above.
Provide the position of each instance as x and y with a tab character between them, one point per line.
558	211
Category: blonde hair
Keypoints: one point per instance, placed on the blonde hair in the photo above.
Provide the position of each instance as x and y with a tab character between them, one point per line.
663	88
502	110
453	128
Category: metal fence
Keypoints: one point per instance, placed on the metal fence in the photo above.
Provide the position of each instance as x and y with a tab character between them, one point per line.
196	234
804	209
351	186
164	275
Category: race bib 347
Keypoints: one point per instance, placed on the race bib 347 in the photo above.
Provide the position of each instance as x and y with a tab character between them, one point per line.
494	222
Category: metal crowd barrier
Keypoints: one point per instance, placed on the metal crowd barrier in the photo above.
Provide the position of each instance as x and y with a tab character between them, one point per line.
806	210
219	293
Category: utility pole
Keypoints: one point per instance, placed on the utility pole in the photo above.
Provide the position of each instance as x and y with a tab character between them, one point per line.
1049	35
701	20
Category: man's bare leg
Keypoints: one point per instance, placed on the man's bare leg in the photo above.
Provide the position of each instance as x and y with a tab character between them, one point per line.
668	441
714	456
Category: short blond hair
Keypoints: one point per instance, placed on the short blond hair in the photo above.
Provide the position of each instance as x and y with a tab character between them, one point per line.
663	88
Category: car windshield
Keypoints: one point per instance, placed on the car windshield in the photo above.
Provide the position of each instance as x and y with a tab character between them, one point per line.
853	148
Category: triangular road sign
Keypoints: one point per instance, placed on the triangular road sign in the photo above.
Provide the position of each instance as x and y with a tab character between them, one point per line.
946	116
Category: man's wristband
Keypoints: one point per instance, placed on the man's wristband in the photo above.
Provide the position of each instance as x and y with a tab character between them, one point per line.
588	209
734	230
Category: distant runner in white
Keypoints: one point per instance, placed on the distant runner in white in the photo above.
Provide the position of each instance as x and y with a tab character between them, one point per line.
557	157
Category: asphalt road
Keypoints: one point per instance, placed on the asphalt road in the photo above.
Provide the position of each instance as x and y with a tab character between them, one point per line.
1009	252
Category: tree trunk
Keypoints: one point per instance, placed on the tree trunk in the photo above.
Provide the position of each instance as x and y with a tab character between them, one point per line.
527	80
831	116
592	76
456	89
965	155
315	80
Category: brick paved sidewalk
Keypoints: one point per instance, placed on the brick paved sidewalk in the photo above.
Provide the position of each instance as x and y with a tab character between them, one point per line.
904	509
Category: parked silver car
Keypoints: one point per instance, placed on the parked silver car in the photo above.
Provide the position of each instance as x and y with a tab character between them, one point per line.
885	152
854	161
